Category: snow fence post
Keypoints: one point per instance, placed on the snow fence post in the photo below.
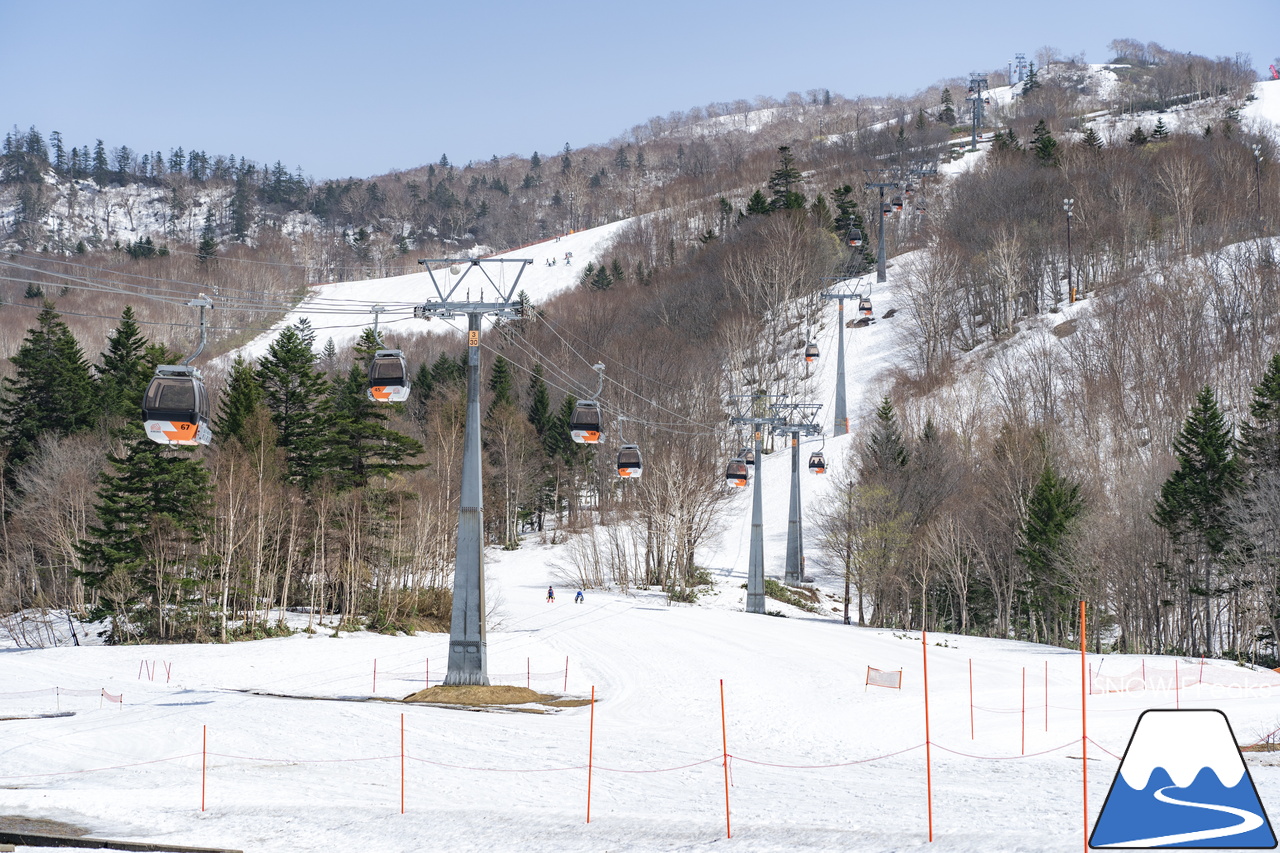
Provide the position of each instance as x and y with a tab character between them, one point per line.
1084	728
204	761
591	749
928	752
724	752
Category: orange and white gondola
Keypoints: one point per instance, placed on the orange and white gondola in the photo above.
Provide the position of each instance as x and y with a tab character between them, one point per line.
175	407
630	462
584	423
388	377
736	472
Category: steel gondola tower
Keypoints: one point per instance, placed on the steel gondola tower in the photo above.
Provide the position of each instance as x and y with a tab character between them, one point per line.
468	660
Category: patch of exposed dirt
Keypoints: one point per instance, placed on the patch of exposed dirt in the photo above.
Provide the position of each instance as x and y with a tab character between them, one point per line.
39	826
1063	329
496	695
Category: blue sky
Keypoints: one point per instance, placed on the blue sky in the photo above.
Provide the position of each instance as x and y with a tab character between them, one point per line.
358	89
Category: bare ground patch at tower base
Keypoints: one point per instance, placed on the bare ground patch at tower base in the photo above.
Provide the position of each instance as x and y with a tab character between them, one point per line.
495	695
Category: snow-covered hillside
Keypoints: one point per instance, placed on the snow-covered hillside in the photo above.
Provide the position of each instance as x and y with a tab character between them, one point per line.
277	745
342	310
298	757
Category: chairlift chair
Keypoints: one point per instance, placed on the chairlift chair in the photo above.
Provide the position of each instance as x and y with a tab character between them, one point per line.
817	463
630	462
388	377
175	407
584	423
811	352
736	472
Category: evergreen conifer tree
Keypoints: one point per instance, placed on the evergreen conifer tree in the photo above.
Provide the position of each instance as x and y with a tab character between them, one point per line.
1194	506
1092	140
52	389
758	204
359	444
502	383
783	183
1160	132
125	370
101	168
1053	509
1260	435
822	213
539	405
295	393
242	399
142	553
208	249
947	115
1044	145
1192	501
886	450
1032	80
1138	137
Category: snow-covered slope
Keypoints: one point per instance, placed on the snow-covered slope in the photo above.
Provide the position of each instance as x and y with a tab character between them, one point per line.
343	309
819	760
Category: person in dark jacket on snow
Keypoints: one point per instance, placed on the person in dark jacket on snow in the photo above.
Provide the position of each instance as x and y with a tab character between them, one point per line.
551	595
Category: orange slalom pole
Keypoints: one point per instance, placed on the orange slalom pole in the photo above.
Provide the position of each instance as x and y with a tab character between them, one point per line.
204	760
724	744
928	752
591	749
1084	728
402	764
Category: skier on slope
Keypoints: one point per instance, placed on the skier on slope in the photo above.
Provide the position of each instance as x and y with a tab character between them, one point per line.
551	595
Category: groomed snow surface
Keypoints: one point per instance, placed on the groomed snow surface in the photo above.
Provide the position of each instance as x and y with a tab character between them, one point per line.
819	761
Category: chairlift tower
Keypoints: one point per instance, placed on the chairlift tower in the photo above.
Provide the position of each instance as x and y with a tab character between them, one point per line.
800	420
977	83
881	274
468	660
755	560
841	425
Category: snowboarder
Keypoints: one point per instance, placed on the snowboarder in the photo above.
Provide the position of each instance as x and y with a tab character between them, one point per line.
577	599
551	595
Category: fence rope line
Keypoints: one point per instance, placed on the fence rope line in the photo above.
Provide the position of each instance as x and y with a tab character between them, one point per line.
1005	757
713	759
1104	749
300	760
663	769
826	766
496	769
101	769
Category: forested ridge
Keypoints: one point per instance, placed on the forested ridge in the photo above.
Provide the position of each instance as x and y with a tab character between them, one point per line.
1125	456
